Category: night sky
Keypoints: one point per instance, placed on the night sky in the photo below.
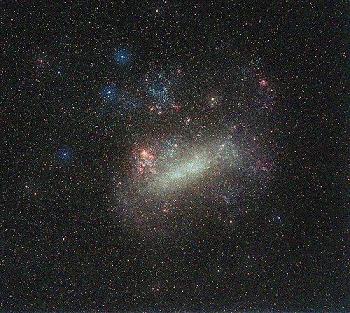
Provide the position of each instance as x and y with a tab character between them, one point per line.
174	156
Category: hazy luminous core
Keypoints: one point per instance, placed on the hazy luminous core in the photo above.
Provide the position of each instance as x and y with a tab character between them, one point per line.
181	174
192	168
202	162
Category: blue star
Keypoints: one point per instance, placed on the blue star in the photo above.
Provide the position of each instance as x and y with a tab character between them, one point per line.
65	154
122	56
277	219
59	71
109	92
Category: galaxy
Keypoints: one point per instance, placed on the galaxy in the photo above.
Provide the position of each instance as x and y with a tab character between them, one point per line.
174	156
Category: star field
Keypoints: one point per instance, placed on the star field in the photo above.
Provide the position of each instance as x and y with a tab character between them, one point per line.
173	156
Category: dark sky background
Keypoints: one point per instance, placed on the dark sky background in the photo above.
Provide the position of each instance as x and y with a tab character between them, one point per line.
65	145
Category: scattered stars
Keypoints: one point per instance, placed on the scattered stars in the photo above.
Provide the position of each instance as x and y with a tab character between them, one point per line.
171	156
